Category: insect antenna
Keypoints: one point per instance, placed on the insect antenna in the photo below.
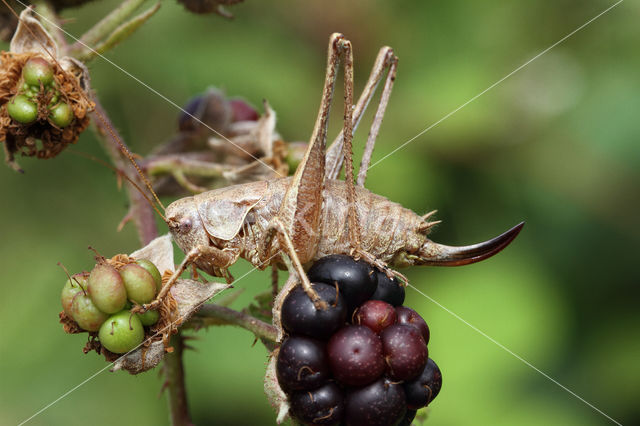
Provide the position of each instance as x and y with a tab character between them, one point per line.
105	123
122	174
98	113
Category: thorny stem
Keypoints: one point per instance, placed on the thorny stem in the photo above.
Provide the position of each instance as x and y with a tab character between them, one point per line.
142	215
140	211
211	314
174	383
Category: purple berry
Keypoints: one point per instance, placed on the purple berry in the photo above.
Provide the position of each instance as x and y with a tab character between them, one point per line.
355	355
300	316
322	406
381	403
242	111
405	352
410	317
302	364
356	279
375	314
186	122
389	290
424	389
408	418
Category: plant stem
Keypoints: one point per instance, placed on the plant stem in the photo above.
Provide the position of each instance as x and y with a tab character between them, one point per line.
140	210
174	382
211	314
109	23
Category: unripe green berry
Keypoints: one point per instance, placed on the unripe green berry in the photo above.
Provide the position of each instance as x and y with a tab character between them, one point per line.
122	332
106	288
22	110
61	115
86	314
151	268
70	289
140	285
36	71
149	318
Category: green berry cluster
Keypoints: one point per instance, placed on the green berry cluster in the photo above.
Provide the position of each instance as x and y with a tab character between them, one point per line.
100	301
37	74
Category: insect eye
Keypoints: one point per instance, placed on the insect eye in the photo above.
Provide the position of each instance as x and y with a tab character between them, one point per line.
185	226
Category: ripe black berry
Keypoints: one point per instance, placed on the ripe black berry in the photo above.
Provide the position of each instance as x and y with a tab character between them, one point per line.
375	314
355	355
405	352
423	389
410	317
302	364
356	279
380	403
408	418
322	406
389	290
300	316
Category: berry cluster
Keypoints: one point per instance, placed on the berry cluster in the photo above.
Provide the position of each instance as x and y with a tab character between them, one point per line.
100	301
39	86
361	361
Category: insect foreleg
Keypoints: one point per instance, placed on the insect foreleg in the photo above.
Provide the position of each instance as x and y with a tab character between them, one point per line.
218	257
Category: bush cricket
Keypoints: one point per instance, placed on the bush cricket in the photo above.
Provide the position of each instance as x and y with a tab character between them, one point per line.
313	214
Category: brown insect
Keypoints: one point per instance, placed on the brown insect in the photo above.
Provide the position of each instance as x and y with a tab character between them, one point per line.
291	221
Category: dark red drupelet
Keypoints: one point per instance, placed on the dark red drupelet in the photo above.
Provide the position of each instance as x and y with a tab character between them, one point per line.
410	317
404	351
375	314
355	355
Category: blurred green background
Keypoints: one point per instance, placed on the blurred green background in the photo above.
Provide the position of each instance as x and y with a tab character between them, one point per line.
555	145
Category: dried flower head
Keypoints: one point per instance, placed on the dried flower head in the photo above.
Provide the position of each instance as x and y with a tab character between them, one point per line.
40	119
